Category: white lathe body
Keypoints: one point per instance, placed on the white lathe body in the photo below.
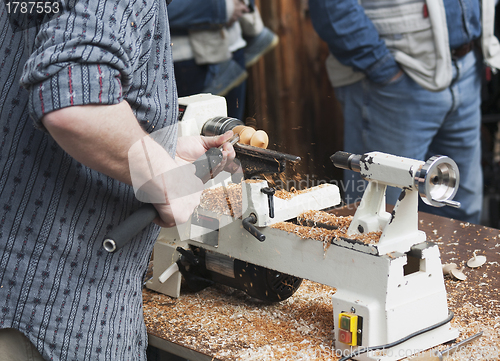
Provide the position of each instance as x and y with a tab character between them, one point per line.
386	292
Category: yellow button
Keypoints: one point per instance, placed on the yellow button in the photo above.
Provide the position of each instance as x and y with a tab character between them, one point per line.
348	328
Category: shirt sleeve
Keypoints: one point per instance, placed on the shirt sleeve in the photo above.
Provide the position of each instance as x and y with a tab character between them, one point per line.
196	14
352	38
84	55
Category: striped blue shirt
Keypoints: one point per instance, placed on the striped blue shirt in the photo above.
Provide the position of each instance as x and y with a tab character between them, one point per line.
73	300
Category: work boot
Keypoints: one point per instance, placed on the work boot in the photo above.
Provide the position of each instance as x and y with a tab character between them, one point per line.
223	77
259	45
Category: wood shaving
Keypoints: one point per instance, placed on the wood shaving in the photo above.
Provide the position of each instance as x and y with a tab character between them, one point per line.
227	325
326	235
284	194
223	200
342	223
228	199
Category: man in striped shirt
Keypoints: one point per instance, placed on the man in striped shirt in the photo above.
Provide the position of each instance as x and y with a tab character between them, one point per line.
94	77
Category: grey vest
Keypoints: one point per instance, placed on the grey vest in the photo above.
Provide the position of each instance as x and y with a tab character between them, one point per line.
419	44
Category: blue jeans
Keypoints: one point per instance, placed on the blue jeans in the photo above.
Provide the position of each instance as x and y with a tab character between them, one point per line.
404	119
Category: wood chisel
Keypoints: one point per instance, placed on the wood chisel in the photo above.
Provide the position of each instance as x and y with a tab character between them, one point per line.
205	169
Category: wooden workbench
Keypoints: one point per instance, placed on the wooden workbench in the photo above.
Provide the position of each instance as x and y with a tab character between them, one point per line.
220	323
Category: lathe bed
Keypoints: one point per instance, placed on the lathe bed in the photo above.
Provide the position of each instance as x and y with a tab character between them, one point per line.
222	324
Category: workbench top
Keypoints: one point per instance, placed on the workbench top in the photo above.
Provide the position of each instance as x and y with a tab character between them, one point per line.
220	323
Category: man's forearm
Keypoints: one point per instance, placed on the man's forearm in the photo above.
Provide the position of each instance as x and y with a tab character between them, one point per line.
99	136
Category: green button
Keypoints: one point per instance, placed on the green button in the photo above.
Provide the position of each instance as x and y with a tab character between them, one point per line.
345	323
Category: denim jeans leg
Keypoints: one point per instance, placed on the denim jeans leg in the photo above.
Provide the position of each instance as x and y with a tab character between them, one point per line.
353	185
459	138
388	119
404	119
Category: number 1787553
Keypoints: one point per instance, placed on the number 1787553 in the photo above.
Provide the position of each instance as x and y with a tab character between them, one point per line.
32	7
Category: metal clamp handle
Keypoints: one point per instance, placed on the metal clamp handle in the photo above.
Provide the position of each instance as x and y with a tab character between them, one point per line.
270	199
248	224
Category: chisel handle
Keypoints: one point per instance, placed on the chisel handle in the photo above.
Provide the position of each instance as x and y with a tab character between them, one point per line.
137	221
133	224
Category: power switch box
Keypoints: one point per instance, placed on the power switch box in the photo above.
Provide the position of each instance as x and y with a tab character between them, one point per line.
350	328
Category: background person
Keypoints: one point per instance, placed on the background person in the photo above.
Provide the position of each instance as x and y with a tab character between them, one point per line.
408	75
214	43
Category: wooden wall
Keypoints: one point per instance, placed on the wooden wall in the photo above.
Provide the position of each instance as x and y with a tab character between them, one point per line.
289	94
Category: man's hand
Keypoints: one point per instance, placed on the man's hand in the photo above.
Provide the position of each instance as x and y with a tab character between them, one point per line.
396	76
190	149
239	10
174	189
177	210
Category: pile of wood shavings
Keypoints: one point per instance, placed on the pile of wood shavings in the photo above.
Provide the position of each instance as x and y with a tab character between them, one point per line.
342	223
229	325
326	235
223	200
481	312
227	199
469	320
474	301
283	194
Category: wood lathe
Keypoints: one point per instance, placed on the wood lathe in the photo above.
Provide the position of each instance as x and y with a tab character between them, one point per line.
390	301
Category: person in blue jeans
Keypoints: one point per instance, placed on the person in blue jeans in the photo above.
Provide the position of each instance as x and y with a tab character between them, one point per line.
408	75
213	44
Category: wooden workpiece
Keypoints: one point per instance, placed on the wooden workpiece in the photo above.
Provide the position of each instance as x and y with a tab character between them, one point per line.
220	323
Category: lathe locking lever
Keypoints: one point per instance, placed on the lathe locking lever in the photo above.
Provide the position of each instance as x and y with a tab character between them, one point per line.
187	259
187	256
248	224
270	199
